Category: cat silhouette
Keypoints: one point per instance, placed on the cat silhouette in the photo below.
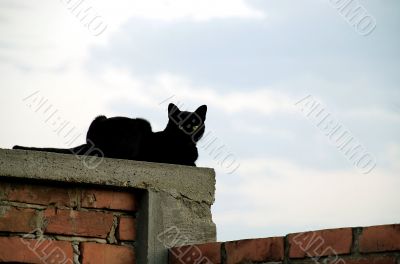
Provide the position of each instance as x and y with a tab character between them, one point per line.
133	138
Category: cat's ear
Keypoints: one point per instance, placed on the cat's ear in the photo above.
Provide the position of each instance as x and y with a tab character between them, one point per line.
202	111
173	109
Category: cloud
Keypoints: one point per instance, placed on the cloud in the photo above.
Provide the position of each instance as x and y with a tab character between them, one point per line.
43	36
263	101
280	192
387	115
196	10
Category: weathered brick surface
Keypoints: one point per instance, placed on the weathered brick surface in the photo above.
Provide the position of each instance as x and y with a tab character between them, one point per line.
127	228
39	194
20	250
367	260
350	260
320	243
78	223
109	199
18	219
257	250
94	253
69	197
204	253
380	238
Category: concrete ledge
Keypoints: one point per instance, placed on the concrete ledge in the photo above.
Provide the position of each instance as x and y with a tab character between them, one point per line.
197	184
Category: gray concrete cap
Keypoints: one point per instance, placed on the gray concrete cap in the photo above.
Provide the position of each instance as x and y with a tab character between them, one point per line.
197	184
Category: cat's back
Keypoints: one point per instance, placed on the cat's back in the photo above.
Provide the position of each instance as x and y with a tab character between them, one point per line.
120	124
119	137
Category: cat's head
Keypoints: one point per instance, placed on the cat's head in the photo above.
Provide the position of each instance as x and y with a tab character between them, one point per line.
188	124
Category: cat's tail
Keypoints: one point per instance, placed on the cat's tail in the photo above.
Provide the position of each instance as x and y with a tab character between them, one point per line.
79	150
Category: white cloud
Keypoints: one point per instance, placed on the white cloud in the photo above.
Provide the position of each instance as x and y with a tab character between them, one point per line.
263	100
170	10
43	35
369	113
47	35
281	192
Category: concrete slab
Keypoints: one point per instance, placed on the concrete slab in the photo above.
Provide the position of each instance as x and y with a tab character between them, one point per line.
197	184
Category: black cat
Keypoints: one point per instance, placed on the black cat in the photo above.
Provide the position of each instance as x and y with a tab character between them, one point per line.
133	139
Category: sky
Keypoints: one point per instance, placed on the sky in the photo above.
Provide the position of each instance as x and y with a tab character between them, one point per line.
264	68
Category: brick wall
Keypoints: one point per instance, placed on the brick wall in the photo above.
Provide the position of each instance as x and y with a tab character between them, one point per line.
368	245
47	223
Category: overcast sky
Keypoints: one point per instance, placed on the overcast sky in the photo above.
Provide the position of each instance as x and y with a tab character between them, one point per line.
250	62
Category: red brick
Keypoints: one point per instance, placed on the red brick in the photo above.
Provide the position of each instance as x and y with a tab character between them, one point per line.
380	238
78	223
127	228
320	243
14	219
109	199
352	260
39	194
196	254
94	253
262	249
16	249
366	260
